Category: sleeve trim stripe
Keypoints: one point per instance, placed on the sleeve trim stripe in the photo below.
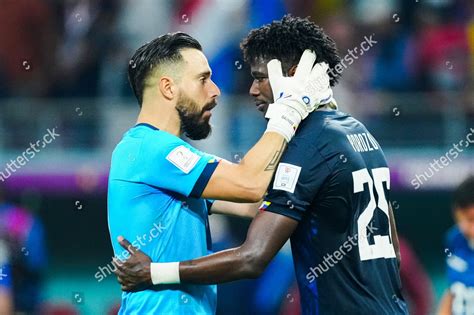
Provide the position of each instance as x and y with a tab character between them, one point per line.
275	208
203	179
209	203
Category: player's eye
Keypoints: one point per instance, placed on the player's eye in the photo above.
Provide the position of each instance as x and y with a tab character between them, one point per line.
260	79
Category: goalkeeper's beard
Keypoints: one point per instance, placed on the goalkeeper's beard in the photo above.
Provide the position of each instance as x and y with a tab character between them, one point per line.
193	124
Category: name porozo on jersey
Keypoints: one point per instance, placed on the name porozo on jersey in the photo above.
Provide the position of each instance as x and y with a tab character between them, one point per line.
363	142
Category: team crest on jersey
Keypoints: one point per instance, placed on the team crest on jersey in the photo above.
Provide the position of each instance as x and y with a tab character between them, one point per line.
286	177
183	158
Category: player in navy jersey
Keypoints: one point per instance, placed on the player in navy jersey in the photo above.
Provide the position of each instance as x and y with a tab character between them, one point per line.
459	299
329	195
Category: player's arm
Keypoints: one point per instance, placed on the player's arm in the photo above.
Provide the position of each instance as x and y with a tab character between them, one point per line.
248	180
445	306
267	233
6	301
295	98
393	227
265	237
243	210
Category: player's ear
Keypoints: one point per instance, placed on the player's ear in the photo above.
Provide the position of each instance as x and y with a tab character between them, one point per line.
167	87
457	215
292	70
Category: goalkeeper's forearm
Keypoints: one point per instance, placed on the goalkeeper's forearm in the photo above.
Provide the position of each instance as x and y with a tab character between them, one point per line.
248	180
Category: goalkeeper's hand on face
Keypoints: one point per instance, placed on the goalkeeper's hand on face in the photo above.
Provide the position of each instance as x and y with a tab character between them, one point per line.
295	97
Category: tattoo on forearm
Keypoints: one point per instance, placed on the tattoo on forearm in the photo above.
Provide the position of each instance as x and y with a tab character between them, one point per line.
276	158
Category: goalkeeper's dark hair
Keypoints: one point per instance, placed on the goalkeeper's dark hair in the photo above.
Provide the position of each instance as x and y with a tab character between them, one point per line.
463	196
286	39
166	48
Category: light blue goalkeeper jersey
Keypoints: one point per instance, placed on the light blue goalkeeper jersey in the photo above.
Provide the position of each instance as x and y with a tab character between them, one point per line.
155	183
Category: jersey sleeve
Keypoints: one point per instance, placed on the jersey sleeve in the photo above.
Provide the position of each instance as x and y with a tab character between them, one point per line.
172	164
299	175
209	203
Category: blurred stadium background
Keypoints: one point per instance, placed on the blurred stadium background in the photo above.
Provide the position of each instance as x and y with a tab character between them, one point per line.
63	65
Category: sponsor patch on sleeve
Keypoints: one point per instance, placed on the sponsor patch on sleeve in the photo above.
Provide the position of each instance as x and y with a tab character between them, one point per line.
264	205
183	158
286	177
215	159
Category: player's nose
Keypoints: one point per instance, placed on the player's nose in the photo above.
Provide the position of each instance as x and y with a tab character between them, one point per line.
254	90
215	91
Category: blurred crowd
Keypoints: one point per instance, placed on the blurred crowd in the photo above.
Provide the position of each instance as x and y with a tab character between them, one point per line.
58	49
81	48
23	258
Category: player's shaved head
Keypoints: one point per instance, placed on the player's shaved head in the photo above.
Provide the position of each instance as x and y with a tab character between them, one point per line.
286	40
158	58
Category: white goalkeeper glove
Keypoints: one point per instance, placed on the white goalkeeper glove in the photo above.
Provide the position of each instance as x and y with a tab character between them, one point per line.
295	97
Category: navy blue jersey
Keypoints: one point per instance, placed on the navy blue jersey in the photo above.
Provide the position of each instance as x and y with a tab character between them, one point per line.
333	179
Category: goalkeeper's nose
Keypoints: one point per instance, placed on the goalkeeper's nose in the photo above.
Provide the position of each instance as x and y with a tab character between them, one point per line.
214	90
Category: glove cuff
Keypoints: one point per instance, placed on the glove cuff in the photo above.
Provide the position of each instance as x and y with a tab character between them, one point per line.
284	120
282	107
328	98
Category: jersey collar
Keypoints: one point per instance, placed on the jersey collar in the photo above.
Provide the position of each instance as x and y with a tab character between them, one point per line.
147	125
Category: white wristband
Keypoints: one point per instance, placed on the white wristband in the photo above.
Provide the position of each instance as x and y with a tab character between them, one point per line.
165	273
